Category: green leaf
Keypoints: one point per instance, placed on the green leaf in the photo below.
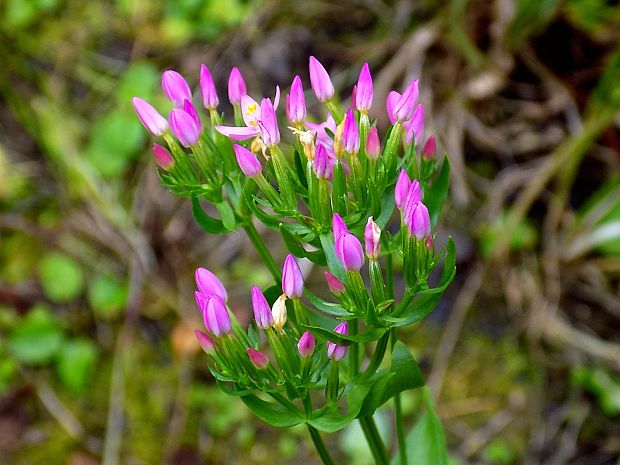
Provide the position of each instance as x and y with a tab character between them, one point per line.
326	307
274	414
426	443
206	222
107	295
37	339
404	374
76	363
293	243
333	263
346	339
227	214
331	419
61	277
438	192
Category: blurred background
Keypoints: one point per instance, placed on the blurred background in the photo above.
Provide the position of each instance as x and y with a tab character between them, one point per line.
98	363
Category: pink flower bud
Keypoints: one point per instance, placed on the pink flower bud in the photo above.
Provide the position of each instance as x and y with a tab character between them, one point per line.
430	148
417	220
403	110
306	344
390	103
262	311
201	300
175	87
373	145
292	279
364	94
320	81
339	227
429	243
296	103
334	284
249	164
207	89
191	111
322	165
236	86
334	351
184	127
269	124
162	157
150	118
258	359
215	316
209	284
401	191
415	193
416	126
350	134
206	343
372	238
349	251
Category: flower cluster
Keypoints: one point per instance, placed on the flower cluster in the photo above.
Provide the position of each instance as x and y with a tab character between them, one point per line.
330	188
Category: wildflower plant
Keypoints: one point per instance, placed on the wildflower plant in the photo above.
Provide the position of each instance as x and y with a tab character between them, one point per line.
362	209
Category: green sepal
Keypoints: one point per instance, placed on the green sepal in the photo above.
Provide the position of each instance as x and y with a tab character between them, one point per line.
206	222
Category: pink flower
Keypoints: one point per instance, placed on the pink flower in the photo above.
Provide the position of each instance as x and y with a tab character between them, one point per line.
236	86
175	87
364	93
150	118
320	81
207	89
334	351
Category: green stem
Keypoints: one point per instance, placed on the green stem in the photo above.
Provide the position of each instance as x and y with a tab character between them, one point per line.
374	440
398	410
320	445
262	249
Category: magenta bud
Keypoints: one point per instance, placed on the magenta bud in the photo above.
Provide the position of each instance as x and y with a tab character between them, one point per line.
334	351
216	317
401	191
269	124
296	103
320	81
417	220
150	118
373	145
262	310
415	193
322	164
339	227
184	127
258	359
390	103
209	284
349	251
206	343
403	110
350	134
191	111
416	126
372	238
175	87
163	158
292	279
306	344
334	284
430	148
201	300
364	94
249	164
207	89
429	243
236	86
